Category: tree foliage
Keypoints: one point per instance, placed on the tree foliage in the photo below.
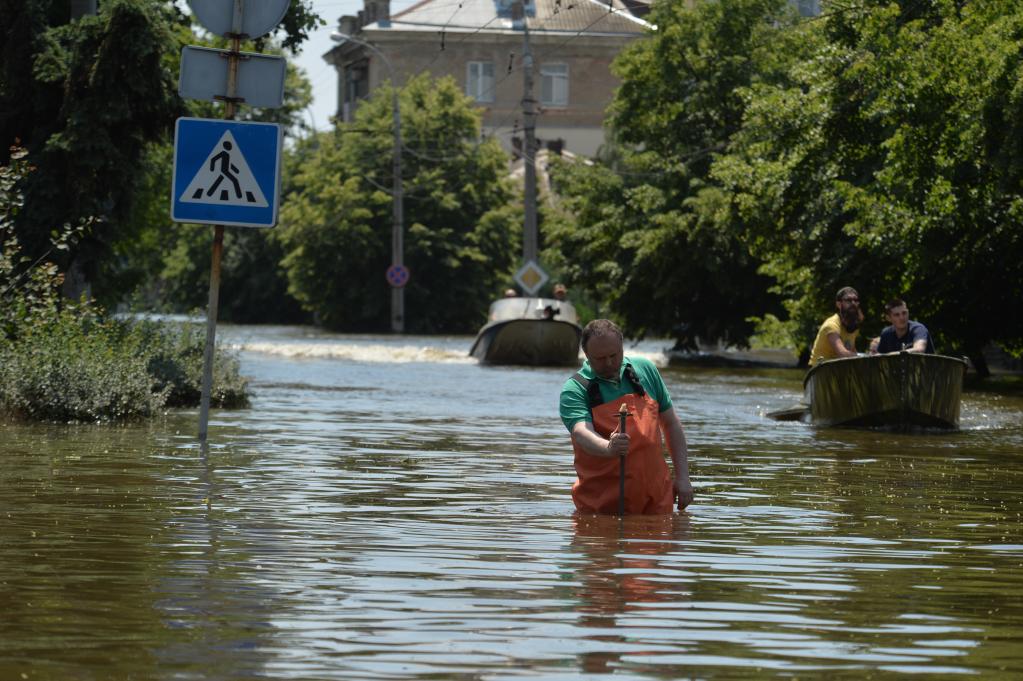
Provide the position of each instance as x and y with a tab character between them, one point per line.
459	231
649	230
94	102
891	164
28	286
84	98
876	146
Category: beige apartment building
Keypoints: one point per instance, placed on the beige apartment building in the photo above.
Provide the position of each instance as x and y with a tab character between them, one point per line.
480	43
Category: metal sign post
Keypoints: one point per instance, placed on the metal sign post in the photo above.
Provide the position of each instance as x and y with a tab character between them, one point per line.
218	245
230	187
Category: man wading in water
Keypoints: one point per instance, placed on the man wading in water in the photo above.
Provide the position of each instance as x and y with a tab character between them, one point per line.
590	404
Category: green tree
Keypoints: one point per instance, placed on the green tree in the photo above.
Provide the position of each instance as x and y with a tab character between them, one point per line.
649	231
460	232
892	165
87	99
100	92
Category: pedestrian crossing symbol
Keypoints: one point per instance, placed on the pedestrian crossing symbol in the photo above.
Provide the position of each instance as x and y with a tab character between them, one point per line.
225	179
226	172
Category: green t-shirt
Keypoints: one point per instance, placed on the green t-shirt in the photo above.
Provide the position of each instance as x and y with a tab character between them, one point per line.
575	406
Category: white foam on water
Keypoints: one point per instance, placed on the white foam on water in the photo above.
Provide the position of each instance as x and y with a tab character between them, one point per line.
658	357
446	351
358	352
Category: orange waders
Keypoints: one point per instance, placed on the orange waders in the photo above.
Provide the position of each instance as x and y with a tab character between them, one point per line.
648	485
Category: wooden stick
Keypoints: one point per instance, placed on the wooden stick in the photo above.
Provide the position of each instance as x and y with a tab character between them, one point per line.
623	411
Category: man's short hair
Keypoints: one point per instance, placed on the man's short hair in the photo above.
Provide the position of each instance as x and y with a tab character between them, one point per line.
599	327
892	304
844	291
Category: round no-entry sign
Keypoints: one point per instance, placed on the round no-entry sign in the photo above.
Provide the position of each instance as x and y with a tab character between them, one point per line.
397	275
258	17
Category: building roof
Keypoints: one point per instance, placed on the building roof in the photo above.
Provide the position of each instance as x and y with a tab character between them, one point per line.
594	17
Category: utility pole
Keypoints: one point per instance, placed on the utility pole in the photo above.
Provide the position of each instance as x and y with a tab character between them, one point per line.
529	236
397	213
397	205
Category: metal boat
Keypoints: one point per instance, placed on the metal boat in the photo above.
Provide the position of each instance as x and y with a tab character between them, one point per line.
903	390
529	331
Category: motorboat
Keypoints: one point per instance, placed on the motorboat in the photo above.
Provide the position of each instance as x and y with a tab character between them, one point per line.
905	389
529	331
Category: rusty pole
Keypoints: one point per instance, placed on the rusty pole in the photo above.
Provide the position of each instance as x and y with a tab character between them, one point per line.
230	101
623	412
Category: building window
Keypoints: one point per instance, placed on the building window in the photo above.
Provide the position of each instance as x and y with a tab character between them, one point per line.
479	81
355	87
554	84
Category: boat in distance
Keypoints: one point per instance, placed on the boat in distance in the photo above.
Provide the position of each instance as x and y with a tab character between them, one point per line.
903	390
529	331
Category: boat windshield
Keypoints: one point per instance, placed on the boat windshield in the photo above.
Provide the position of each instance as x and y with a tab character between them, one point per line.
532	308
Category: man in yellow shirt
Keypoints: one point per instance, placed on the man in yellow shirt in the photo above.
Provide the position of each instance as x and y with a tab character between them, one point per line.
837	335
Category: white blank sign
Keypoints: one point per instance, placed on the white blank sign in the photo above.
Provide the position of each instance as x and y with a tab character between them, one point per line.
204	76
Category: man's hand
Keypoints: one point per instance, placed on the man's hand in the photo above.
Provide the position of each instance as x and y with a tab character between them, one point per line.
683	492
874	342
618	444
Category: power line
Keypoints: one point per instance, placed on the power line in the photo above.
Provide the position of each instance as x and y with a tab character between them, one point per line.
550	49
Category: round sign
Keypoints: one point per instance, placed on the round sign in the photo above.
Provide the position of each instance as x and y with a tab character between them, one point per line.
397	275
259	17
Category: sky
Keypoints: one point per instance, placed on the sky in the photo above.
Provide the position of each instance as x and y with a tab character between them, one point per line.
321	74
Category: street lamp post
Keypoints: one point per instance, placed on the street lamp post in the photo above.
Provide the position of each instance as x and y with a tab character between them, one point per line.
397	230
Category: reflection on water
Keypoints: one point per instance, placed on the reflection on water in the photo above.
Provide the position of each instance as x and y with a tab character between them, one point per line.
388	509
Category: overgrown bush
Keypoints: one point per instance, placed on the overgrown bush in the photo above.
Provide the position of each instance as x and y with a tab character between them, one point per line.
63	360
68	369
174	359
73	368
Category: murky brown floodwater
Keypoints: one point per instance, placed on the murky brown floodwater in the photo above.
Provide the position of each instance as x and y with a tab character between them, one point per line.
390	510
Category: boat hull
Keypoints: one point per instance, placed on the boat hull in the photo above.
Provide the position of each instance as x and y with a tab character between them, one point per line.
902	390
536	342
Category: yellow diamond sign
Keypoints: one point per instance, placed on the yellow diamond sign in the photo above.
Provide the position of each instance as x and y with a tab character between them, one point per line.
531	277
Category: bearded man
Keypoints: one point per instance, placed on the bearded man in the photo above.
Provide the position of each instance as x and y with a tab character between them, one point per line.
837	335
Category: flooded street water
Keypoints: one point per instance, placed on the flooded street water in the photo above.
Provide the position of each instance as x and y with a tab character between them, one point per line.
389	509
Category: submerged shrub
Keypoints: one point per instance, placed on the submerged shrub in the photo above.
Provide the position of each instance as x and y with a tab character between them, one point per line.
65	370
175	358
72	368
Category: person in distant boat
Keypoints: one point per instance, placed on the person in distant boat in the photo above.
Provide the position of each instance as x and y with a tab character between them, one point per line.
560	294
589	408
903	333
837	336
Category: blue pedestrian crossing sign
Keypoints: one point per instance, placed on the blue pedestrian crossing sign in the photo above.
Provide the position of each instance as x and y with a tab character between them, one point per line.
226	172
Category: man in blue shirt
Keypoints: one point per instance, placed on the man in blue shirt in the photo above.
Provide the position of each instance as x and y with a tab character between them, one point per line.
903	334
